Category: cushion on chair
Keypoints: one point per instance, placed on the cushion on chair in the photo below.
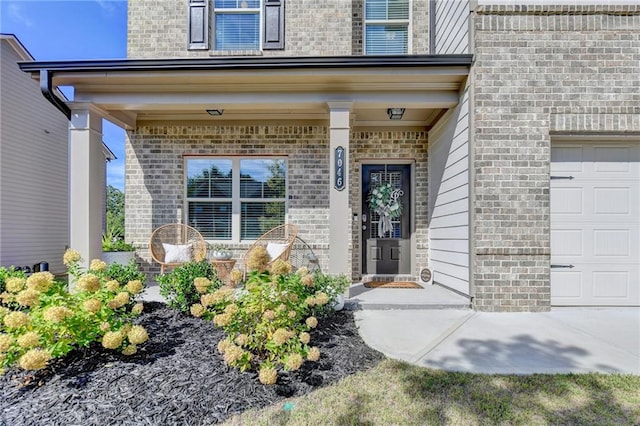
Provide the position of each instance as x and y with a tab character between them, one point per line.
276	249
177	253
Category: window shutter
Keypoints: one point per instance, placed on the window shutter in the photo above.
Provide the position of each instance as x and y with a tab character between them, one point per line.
198	24
273	25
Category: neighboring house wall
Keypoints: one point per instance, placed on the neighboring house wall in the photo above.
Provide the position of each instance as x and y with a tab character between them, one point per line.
451	30
158	29
34	218
575	67
449	198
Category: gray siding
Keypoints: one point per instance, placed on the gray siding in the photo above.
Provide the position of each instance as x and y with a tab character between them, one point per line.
451	26
449	198
33	171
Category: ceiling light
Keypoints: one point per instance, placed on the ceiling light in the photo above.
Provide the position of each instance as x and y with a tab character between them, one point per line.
395	113
215	112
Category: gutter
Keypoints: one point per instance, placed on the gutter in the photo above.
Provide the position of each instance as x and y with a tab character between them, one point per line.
46	83
210	64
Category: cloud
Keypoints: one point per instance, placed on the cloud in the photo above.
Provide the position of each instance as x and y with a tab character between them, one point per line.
16	13
107	5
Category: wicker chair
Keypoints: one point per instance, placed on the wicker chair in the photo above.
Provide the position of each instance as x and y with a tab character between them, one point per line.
177	238
302	255
278	242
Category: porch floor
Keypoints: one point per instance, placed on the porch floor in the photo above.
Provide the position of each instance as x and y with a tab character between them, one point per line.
430	297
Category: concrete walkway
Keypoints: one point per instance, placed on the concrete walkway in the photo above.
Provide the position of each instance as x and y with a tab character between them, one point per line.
565	340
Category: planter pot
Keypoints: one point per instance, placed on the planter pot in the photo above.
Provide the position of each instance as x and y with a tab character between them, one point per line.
222	255
338	304
121	257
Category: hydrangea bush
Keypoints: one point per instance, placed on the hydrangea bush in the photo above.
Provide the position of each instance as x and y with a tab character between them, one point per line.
268	321
40	319
177	286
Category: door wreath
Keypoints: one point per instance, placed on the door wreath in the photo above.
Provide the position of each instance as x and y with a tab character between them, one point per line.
386	202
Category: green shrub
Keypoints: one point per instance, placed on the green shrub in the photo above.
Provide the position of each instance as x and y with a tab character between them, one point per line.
41	319
177	286
267	323
125	273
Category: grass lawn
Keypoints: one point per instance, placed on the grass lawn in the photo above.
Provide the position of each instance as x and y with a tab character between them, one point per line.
396	393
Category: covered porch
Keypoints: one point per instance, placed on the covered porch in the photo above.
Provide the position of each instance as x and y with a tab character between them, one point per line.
303	109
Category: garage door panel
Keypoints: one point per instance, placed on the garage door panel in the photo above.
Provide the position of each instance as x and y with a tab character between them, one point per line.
611	284
611	242
611	159
595	224
566	159
598	285
567	201
566	242
566	285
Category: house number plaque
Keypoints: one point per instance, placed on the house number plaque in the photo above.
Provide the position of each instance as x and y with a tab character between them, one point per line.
339	168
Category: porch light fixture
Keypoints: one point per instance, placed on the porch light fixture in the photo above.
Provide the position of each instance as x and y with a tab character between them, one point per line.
395	113
215	112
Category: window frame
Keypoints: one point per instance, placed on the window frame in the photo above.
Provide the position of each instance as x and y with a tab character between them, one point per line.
381	22
236	200
260	12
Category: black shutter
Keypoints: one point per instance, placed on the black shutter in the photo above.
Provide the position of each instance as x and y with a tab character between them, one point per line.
273	25
198	24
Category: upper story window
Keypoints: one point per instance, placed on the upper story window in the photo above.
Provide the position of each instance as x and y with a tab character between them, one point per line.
237	24
386	27
235	198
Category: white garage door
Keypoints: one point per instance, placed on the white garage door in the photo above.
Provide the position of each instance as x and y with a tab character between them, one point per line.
595	224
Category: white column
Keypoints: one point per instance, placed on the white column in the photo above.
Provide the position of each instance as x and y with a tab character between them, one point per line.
339	212
86	176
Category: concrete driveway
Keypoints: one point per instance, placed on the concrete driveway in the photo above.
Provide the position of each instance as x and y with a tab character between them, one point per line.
565	340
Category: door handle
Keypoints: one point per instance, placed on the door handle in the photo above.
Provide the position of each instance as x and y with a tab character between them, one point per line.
562	266
364	218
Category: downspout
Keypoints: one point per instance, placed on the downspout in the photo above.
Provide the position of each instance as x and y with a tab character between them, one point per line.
46	81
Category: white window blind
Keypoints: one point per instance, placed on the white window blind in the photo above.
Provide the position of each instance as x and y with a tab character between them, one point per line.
237	24
386	27
218	187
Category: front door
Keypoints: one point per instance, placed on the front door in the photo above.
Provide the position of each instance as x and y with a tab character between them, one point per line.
386	222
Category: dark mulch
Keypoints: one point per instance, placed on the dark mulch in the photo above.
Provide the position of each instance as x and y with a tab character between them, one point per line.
177	378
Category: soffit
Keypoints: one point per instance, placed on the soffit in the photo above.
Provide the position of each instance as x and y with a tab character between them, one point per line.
134	91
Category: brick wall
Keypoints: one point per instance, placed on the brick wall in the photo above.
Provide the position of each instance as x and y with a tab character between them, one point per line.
533	62
158	29
154	183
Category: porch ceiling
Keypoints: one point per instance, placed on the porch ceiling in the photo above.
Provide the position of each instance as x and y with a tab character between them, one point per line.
271	89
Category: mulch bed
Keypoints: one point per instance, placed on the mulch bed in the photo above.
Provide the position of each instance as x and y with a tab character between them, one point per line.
177	377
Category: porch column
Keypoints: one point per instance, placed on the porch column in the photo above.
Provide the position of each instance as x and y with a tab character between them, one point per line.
339	216
86	181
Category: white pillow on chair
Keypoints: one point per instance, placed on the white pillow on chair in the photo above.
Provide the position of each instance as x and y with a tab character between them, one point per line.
276	249
176	253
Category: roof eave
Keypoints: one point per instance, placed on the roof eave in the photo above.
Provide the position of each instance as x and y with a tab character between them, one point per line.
259	63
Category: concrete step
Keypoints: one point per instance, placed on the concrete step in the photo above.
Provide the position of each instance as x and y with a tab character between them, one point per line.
429	297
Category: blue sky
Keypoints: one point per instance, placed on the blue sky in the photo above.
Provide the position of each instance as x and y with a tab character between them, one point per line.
73	29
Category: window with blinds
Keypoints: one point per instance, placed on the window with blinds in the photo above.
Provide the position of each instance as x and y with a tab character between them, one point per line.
237	24
235	198
386	27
